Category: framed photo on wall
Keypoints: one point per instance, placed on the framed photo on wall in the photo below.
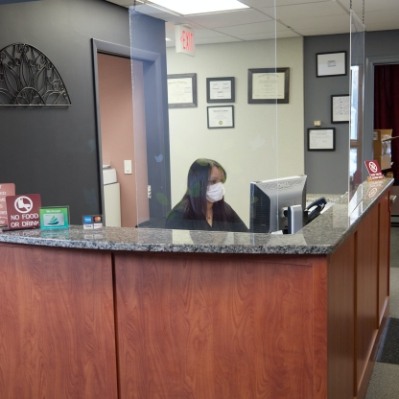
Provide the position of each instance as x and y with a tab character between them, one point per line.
268	85
321	139
220	90
182	90
340	108
331	64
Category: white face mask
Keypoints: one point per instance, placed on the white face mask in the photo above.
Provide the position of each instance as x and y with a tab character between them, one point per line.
215	192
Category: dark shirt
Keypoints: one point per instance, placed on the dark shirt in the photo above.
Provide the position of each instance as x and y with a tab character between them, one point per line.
176	220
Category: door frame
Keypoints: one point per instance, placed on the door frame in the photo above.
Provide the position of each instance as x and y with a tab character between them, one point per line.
371	62
161	181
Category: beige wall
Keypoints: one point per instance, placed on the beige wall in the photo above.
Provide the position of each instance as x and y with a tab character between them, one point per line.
267	140
117	127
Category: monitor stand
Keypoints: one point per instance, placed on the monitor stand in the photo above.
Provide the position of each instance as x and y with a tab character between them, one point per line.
295	219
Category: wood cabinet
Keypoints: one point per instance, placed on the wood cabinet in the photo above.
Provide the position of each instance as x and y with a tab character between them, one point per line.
217	326
211	327
341	321
146	325
57	334
358	292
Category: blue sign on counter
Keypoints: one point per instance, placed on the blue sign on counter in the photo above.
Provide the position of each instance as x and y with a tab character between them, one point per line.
92	222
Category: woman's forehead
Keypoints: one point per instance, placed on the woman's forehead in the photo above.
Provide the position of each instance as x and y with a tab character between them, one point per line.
217	172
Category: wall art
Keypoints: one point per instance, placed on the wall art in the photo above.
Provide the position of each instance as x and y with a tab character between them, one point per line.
29	78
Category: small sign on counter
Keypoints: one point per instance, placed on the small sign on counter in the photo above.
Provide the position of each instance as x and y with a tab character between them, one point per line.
23	211
6	189
91	222
374	170
54	218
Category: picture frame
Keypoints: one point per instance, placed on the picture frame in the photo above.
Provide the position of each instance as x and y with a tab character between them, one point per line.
340	108
220	117
182	90
331	64
321	139
220	90
268	85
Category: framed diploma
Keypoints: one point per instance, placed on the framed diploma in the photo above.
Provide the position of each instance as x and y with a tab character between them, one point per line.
220	117
340	108
331	64
321	139
182	90
268	85
220	90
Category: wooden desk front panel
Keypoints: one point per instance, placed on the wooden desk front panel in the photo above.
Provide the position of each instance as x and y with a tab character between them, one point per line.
193	326
384	256
341	321
218	327
367	324
56	324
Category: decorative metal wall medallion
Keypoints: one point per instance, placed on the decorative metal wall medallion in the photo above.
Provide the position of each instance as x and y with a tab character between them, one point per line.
29	78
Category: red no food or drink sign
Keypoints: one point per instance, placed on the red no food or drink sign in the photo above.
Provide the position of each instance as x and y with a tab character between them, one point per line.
23	211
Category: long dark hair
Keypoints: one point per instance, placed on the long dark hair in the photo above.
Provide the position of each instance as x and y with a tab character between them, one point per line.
194	200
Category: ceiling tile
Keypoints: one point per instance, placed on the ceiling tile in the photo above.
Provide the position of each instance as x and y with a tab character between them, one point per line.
297	17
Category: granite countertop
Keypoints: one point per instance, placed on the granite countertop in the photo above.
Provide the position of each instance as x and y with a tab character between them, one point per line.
320	237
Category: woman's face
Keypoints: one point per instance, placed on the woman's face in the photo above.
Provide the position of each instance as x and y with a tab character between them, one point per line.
216	176
215	189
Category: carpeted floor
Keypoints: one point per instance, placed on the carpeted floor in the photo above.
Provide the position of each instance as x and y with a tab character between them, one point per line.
395	247
389	352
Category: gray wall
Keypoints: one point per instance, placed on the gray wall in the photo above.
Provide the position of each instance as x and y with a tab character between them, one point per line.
54	151
50	151
327	171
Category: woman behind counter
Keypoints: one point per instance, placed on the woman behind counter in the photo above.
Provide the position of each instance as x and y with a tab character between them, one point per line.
202	206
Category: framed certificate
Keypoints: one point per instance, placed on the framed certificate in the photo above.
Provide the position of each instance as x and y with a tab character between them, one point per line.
321	139
331	64
182	90
220	117
220	90
268	85
340	108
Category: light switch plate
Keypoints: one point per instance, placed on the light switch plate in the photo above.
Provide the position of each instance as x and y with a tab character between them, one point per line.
127	166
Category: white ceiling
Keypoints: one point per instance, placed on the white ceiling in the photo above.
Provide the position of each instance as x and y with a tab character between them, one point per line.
291	18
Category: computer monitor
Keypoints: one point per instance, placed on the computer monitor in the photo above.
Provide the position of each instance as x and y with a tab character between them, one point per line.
270	199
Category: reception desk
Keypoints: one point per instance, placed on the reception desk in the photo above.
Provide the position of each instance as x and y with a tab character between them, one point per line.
148	313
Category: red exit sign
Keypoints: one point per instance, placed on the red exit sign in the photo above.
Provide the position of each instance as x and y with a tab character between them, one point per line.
184	37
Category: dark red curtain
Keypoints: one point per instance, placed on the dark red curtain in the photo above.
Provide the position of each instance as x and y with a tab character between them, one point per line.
386	107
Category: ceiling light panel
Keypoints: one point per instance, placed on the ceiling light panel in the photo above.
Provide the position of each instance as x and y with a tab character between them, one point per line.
185	7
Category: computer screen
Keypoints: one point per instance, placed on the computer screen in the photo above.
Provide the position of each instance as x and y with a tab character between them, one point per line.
269	199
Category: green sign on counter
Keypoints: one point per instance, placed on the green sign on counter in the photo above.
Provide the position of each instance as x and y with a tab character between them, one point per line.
54	218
